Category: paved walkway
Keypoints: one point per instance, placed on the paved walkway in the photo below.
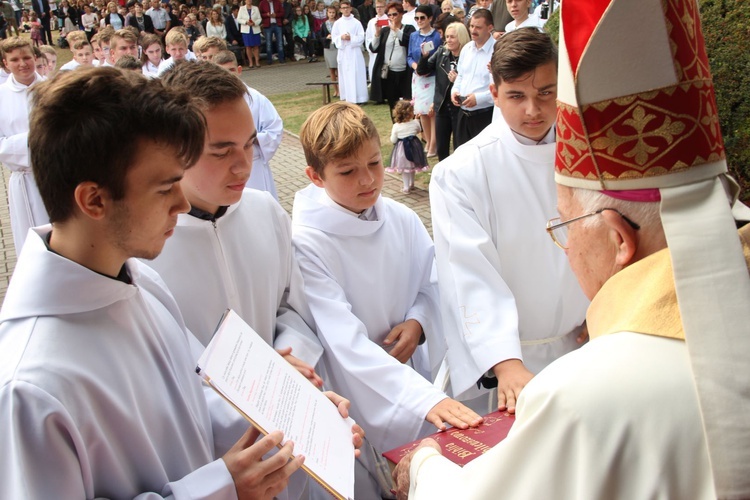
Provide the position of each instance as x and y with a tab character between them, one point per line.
288	164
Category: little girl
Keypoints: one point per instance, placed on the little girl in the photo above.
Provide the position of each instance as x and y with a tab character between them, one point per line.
36	29
151	57
408	156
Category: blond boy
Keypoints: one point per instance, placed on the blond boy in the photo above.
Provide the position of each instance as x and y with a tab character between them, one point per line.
83	54
73	38
206	47
367	264
177	47
51	55
26	206
123	43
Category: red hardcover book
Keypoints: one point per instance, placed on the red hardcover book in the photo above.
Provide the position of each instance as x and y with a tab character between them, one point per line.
461	446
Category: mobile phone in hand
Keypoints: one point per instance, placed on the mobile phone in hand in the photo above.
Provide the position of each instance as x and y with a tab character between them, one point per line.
428	46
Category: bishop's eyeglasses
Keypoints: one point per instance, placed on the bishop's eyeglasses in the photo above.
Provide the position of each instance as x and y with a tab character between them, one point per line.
558	229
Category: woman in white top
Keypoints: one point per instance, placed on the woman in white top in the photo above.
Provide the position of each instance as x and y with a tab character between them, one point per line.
249	20
215	25
151	57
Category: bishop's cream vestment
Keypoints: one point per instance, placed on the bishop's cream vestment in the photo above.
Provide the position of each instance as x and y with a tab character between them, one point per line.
506	290
617	419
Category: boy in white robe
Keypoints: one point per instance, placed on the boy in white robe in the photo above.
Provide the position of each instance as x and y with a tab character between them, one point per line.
98	392
368	267
511	304
26	207
268	123
233	249
348	36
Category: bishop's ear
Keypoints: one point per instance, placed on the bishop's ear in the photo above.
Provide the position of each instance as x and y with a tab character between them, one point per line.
623	236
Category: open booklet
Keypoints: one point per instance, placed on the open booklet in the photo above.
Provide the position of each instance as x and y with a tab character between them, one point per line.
273	395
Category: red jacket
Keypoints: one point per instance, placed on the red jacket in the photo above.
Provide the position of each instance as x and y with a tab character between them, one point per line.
265	12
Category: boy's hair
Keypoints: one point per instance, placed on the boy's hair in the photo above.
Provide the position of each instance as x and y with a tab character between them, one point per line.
402	111
203	43
209	84
124	34
128	62
74	36
333	132
48	50
94	39
175	37
89	98
411	2
106	34
14	43
224	57
519	52
79	44
342	2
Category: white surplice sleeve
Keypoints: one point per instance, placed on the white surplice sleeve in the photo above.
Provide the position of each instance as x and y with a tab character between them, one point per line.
294	321
51	460
14	151
392	398
480	316
358	35
269	125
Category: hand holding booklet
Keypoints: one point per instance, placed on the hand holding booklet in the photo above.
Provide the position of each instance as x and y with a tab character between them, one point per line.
273	395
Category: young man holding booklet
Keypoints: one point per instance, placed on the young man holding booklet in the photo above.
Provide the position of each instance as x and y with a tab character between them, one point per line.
98	391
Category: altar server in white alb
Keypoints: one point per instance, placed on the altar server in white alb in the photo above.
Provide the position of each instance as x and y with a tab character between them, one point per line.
26	206
368	267
233	249
348	36
98	391
511	304
656	404
268	123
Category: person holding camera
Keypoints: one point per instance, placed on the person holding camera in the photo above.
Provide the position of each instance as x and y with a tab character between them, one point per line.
471	88
443	63
424	42
391	75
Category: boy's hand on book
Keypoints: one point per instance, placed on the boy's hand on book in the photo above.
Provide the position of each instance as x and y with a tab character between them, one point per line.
255	478
450	411
512	377
343	405
302	367
406	336
401	473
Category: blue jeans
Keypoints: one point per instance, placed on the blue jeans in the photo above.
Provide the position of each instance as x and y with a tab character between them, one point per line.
269	33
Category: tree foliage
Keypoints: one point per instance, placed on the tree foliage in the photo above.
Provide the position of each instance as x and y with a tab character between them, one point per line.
726	29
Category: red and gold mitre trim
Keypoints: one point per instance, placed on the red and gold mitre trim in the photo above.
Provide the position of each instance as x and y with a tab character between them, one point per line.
639	140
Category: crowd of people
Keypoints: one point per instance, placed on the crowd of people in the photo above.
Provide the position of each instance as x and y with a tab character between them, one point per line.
141	182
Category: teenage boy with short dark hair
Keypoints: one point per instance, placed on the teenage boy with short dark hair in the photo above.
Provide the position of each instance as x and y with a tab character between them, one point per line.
511	304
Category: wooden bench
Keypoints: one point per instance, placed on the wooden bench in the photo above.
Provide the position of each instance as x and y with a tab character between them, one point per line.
326	86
